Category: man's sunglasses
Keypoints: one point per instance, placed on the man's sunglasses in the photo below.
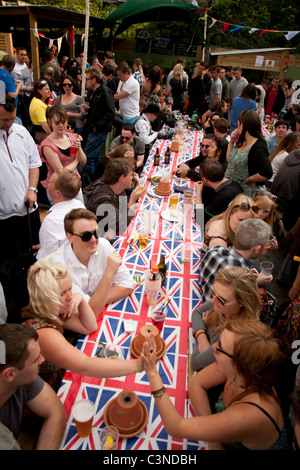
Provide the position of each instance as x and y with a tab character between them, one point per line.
86	236
205	146
125	138
245	207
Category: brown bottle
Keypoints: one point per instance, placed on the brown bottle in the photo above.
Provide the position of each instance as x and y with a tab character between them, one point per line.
156	158
167	156
162	269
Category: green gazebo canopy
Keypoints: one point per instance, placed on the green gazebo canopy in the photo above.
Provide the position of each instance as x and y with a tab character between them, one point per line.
146	11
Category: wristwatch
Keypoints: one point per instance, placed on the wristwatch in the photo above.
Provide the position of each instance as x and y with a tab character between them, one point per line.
33	189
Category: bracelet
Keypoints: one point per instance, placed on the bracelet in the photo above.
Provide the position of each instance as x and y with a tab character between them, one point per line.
159	393
200	333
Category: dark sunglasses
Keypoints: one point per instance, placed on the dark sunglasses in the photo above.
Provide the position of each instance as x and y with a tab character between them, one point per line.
272	197
205	146
125	138
218	348
245	207
86	236
67	84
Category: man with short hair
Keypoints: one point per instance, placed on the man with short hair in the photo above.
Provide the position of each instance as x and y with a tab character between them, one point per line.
187	169
99	119
221	128
225	84
216	87
281	127
128	136
21	386
138	73
22	72
251	238
110	191
275	97
225	189
238	83
128	93
19	177
95	268
63	188
229	73
264	87
198	89
7	66
49	77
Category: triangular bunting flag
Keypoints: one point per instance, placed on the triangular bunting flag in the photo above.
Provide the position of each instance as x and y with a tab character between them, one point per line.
225	26
236	29
213	22
291	34
252	30
268	31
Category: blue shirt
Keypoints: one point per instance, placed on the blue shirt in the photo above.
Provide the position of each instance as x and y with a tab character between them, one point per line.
9	82
238	105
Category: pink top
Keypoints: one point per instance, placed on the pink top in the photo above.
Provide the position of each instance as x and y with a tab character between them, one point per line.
65	159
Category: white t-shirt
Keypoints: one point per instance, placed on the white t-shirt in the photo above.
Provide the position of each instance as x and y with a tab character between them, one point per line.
129	106
86	279
21	72
18	154
52	233
277	162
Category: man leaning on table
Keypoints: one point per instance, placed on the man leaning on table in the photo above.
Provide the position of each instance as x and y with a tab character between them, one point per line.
95	268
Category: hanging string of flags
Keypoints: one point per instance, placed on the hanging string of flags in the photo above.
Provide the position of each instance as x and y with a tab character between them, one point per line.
69	36
288	34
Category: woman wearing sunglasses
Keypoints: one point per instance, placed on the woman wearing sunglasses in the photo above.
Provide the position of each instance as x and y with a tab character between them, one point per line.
56	149
248	413
235	297
247	154
71	102
37	109
220	229
53	308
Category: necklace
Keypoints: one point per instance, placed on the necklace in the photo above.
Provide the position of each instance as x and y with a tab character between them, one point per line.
230	383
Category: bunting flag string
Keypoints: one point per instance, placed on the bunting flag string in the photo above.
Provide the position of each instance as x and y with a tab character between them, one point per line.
287	34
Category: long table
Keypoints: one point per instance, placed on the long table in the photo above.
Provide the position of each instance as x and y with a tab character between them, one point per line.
181	286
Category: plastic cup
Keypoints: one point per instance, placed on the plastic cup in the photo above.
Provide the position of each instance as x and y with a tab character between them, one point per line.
152	287
143	238
187	199
109	437
113	351
83	414
173	201
73	151
158	314
266	268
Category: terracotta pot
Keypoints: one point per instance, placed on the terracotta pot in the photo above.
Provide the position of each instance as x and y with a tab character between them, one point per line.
141	338
126	413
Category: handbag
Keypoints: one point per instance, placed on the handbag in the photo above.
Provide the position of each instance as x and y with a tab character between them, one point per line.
268	313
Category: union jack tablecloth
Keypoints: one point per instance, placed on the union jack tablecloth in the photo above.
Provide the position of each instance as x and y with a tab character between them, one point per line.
181	286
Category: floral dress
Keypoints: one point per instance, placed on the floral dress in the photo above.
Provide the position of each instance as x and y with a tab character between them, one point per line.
237	169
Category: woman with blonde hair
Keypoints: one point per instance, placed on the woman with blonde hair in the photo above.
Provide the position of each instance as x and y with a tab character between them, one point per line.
235	297
52	308
289	143
220	229
248	413
123	150
177	86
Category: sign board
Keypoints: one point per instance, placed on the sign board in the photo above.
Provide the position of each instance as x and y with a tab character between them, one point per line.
161	45
185	50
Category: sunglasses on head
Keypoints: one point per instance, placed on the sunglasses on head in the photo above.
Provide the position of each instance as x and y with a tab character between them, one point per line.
218	348
86	236
272	197
245	207
43	83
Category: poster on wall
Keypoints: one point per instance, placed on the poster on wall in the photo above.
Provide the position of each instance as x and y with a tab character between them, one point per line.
161	45
270	63
259	61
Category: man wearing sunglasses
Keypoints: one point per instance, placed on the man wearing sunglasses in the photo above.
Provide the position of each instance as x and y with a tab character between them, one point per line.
187	169
95	268
128	136
251	238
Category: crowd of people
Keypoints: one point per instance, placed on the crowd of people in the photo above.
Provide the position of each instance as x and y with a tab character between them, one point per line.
85	146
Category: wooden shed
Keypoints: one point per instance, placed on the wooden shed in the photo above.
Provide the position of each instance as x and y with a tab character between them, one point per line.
268	59
35	17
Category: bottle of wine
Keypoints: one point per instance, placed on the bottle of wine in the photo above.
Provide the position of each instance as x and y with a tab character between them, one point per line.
162	269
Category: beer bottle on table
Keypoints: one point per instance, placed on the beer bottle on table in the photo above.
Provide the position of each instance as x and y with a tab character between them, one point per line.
162	269
156	158
154	271
167	156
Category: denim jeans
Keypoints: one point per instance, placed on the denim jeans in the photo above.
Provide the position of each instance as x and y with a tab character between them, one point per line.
92	150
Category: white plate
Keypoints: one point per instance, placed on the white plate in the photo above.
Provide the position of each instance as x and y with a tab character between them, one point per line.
152	193
173	216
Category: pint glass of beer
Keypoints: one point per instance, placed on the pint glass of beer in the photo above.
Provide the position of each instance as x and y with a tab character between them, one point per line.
83	414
